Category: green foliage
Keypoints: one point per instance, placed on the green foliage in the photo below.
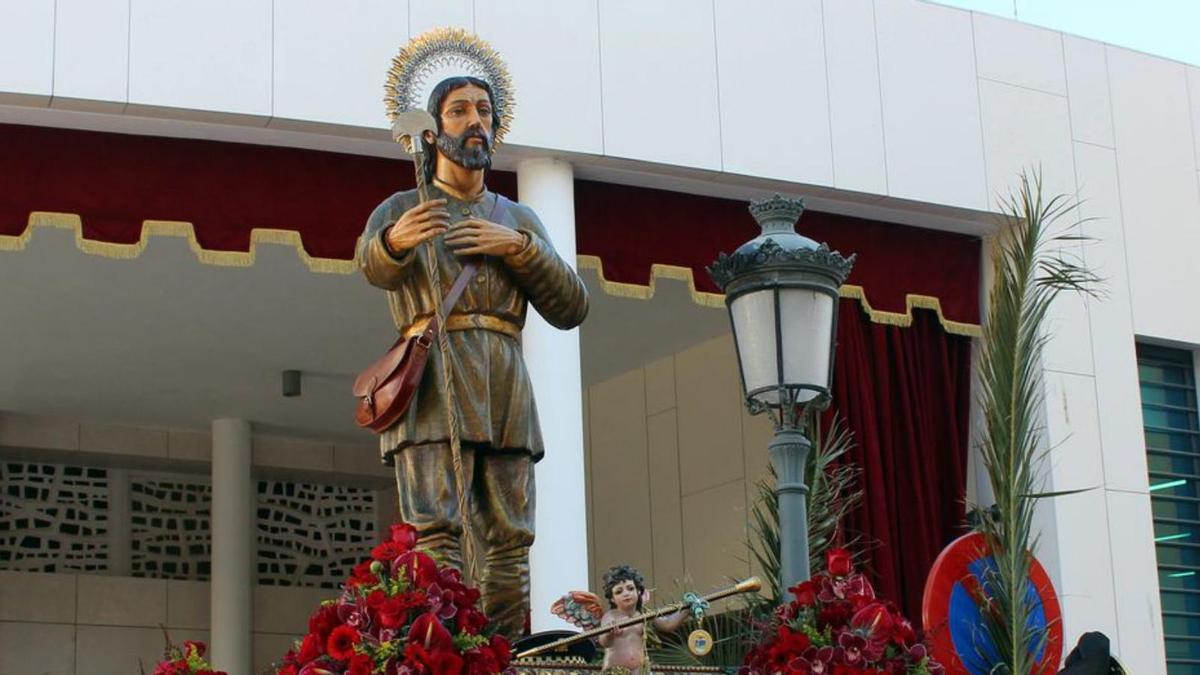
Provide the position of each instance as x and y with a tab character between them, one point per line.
1031	267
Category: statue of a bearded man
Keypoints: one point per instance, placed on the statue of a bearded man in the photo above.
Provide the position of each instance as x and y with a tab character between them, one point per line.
493	398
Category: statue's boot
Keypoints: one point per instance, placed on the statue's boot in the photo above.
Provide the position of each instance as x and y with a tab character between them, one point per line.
505	589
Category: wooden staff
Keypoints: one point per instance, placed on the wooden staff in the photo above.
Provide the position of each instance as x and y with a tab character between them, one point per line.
746	586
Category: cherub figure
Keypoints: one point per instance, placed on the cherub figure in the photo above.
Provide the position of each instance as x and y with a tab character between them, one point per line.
625	591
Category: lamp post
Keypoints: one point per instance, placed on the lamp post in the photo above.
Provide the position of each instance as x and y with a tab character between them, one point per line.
781	290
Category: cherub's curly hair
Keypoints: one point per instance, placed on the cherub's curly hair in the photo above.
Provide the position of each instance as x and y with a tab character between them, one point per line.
621	574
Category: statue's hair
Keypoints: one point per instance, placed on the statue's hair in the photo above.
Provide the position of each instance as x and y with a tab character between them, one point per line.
621	574
437	97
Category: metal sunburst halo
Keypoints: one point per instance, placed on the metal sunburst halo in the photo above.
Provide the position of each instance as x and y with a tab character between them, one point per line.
435	55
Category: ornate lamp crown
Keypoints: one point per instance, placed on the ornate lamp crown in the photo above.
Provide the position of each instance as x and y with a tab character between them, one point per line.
778	213
779	245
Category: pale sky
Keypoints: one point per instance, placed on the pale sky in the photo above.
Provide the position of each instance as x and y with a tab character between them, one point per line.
1169	28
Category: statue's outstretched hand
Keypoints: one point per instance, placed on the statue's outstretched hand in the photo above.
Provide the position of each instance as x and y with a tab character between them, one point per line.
476	236
418	224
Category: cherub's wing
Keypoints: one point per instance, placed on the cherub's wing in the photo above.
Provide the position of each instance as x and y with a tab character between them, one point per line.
580	608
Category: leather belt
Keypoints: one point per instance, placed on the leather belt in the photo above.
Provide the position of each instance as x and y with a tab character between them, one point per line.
456	322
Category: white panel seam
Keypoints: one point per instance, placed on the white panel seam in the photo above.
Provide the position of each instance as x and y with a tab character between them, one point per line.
987	198
1019	86
1193	115
1094	145
887	190
717	76
53	51
828	100
1120	198
600	68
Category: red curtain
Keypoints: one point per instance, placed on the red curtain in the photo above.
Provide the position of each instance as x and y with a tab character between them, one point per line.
905	393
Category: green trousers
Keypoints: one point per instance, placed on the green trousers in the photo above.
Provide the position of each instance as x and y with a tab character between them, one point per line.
501	503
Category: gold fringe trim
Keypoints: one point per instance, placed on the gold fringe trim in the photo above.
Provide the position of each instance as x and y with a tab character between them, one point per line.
174	228
705	299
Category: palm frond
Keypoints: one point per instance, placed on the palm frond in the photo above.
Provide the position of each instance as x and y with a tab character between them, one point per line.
1032	264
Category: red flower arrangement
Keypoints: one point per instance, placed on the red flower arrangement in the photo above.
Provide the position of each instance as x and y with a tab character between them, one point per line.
185	660
400	613
836	626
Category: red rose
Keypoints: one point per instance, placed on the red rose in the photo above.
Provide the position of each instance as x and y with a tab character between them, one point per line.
405	535
360	664
838	562
341	642
287	670
806	593
393	613
311	648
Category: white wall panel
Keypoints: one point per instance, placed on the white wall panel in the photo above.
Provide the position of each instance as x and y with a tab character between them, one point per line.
855	113
201	54
1087	90
1086	573
91	57
659	70
1073	431
1139	615
1026	130
1020	54
774	102
331	60
930	104
1193	79
1160	198
557	81
26	47
1111	320
426	14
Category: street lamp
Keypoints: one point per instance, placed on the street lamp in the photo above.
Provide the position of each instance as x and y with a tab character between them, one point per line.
781	289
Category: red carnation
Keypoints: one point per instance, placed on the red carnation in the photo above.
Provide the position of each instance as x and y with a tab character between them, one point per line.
502	649
445	662
361	575
323	621
838	562
387	551
360	664
341	642
310	649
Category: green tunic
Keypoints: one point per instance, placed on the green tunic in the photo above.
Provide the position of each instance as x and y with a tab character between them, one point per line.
495	401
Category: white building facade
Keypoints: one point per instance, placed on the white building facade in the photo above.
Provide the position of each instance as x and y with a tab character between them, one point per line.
899	110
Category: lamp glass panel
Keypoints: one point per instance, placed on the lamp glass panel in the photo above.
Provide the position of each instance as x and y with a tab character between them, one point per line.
753	317
806	318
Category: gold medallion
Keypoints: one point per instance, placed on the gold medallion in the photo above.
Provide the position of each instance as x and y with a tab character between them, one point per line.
700	642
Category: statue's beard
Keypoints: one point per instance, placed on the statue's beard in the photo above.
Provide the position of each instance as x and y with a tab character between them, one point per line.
471	157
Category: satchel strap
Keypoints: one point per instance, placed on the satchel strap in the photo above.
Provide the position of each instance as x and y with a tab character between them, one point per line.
499	209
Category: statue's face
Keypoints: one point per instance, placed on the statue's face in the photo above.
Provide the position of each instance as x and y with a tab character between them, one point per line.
466	136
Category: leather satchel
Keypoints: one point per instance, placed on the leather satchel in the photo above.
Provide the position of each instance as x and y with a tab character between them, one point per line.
386	388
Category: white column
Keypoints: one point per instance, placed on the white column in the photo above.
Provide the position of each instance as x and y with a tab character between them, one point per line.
233	557
559	560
